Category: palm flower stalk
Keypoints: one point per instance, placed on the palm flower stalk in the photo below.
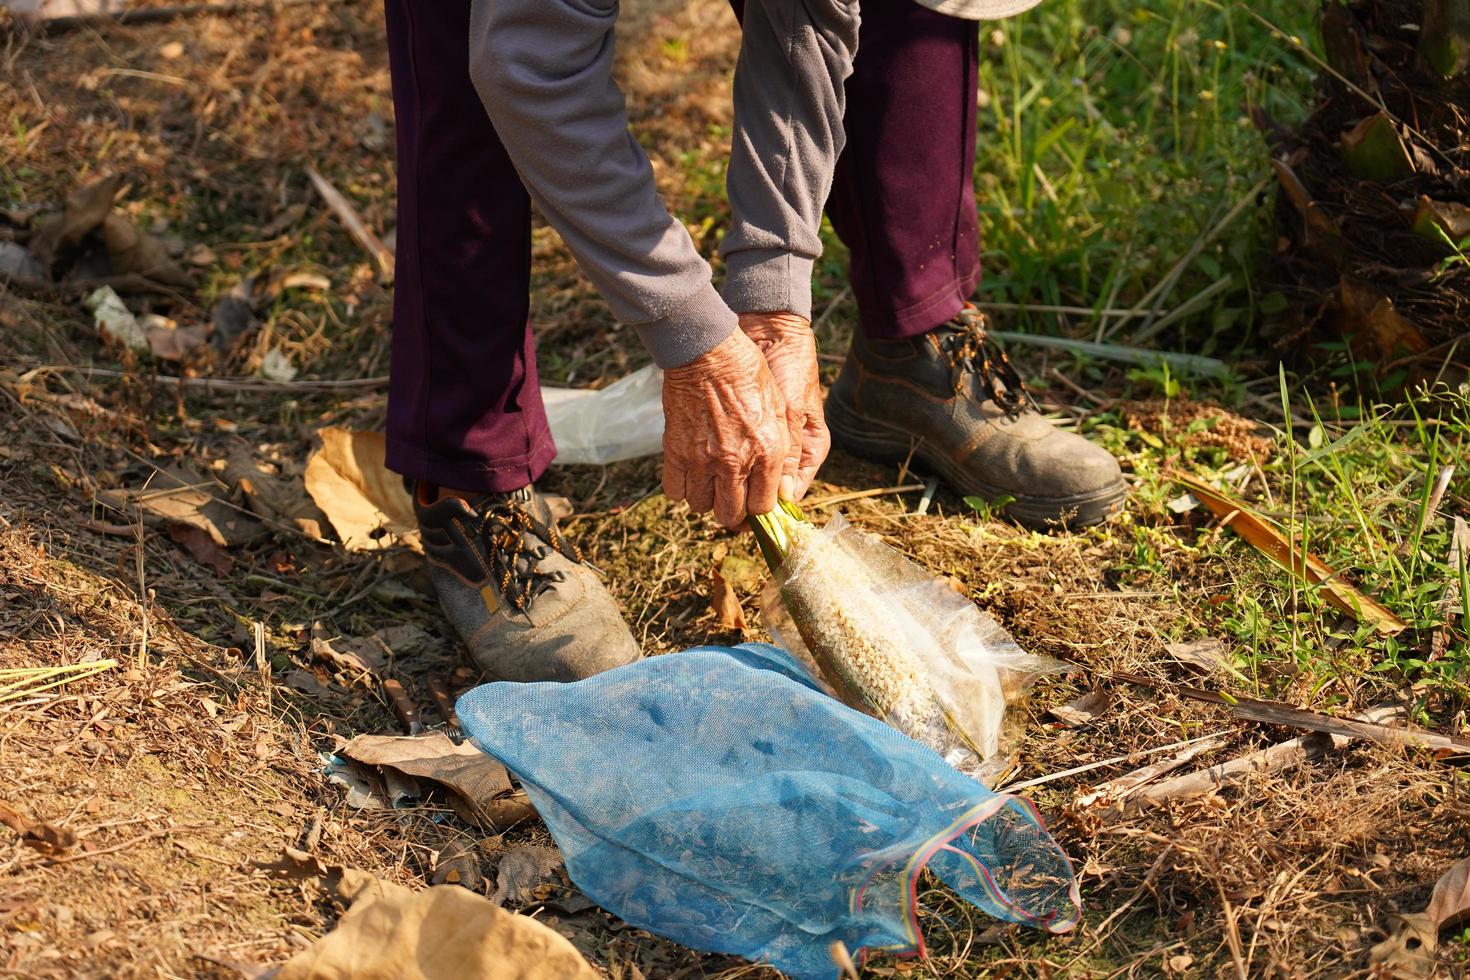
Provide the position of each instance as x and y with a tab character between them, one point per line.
863	645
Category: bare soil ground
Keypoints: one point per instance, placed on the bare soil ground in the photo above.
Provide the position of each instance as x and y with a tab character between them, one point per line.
199	757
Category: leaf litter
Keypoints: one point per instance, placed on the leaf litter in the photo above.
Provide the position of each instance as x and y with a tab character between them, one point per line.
151	737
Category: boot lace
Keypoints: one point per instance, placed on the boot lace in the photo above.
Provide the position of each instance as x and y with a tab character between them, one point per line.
517	543
972	352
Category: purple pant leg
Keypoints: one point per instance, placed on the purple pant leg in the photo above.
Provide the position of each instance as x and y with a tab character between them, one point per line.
464	406
903	199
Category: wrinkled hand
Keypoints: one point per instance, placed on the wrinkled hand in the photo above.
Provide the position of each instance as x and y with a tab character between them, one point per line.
724	432
791	353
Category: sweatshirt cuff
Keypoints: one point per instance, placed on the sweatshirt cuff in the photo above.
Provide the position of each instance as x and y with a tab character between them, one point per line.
769	280
690	332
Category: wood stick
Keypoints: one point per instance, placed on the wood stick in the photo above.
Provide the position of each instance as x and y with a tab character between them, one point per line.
151	15
1273	758
1129	783
1276	713
1089	767
216	384
349	217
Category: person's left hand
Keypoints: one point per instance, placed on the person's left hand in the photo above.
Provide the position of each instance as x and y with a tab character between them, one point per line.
791	353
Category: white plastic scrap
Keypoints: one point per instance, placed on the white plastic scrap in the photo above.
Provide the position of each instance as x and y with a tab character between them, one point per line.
625	420
114	322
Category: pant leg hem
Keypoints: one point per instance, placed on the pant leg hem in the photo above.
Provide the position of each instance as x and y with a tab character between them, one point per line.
502	475
923	316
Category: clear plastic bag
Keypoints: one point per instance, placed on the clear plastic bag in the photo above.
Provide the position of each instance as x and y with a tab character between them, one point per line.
625	420
892	640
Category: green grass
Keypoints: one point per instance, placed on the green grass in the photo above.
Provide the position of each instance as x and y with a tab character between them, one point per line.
1353	487
1112	137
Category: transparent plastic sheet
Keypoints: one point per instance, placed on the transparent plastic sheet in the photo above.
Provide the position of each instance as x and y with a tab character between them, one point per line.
625	420
843	594
719	798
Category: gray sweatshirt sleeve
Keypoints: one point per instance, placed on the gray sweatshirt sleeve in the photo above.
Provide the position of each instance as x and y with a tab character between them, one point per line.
543	69
789	100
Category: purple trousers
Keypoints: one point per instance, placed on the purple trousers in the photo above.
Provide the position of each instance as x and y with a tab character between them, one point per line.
464	406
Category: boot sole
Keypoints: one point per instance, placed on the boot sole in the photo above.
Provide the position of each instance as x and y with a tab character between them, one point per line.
883	443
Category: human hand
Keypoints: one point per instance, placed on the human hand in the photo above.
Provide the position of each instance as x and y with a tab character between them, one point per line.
790	349
725	432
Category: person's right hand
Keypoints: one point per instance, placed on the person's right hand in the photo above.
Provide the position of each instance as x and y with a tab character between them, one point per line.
725	432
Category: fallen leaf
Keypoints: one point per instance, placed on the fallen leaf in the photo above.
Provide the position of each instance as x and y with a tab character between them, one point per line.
441	933
178	495
366	504
1084	710
360	655
45	837
1432	217
170	342
1207	655
1450	903
726	604
130	249
202	547
458	864
274	496
522	870
404	638
1266	538
1364	316
306	682
1409	948
364	787
463	769
85	209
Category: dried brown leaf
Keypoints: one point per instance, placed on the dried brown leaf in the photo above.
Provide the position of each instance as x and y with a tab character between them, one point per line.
725	603
1084	710
179	495
522	870
442	933
130	249
1450	903
463	769
48	838
1269	541
202	547
170	342
85	209
349	480
357	655
1409	949
1431	217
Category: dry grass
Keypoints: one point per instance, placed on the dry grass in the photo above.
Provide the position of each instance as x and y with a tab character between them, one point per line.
198	762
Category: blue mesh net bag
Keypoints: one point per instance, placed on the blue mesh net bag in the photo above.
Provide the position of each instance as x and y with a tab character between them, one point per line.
717	797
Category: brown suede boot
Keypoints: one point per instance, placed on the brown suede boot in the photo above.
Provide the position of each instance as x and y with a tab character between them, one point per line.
525	604
952	399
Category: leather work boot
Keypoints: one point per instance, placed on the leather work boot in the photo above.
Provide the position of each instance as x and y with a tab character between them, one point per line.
517	592
956	403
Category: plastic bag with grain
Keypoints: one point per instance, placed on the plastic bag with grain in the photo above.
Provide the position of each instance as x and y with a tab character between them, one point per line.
892	640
